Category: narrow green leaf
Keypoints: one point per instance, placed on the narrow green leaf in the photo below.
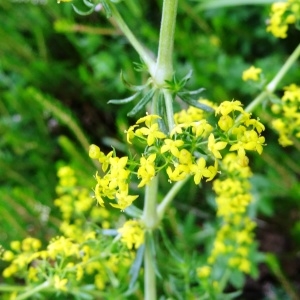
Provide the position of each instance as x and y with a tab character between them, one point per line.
186	78
135	88
123	101
136	266
83	13
142	103
195	92
106	8
170	247
196	103
88	3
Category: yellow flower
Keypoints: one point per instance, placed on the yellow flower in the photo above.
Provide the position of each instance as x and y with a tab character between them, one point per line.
152	132
179	173
124	200
60	284
146	170
214	147
199	170
251	74
226	107
172	146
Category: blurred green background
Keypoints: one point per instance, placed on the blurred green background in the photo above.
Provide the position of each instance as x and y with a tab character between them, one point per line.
59	69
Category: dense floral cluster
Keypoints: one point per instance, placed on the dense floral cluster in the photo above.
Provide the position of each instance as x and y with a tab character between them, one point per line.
234	240
288	110
282	15
81	253
193	148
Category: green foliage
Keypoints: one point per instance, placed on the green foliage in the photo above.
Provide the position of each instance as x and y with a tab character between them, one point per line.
59	69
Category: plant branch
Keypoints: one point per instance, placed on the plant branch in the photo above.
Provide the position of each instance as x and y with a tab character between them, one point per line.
140	49
169	197
271	87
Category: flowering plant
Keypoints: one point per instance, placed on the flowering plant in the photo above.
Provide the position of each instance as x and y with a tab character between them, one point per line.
109	247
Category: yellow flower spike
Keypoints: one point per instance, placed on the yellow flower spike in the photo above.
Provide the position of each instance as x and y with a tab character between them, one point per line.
214	146
251	74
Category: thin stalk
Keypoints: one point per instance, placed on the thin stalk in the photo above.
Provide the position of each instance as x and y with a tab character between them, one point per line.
290	61
271	87
139	48
169	197
34	290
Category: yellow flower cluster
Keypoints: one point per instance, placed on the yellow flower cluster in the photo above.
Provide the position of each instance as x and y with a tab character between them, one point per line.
80	254
132	233
288	124
282	15
114	185
193	148
234	240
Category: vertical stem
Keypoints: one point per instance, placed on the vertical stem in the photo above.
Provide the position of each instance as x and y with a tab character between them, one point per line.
164	68
163	72
150	221
149	213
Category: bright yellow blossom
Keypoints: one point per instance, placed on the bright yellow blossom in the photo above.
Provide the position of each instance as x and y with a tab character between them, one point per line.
251	74
214	146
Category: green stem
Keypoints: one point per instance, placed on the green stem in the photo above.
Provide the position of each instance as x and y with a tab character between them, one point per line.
139	48
150	221
163	71
271	87
290	61
33	291
169	109
169	197
164	66
149	213
149	269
